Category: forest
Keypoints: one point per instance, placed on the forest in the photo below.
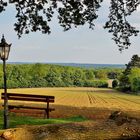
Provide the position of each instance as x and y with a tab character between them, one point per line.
48	75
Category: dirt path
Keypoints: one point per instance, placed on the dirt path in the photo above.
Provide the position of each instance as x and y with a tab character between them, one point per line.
88	130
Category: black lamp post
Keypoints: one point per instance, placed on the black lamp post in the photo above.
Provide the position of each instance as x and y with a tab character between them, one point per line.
4	53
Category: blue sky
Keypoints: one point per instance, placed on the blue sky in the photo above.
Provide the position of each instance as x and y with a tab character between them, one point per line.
80	45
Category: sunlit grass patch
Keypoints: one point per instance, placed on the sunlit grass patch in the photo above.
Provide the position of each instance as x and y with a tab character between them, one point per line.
17	121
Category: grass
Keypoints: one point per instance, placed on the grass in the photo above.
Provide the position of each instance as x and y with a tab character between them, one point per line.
17	121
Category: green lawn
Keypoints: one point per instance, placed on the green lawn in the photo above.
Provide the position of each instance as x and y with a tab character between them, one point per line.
17	121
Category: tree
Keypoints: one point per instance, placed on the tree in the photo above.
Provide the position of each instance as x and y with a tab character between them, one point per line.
78	77
35	15
134	78
112	75
53	78
125	82
101	74
89	74
36	75
17	76
135	62
66	77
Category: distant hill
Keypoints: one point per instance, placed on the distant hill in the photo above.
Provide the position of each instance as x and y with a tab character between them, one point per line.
91	65
82	65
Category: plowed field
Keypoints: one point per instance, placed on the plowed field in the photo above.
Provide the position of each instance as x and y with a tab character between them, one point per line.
88	97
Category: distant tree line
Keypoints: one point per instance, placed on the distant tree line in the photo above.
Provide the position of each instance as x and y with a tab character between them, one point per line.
47	75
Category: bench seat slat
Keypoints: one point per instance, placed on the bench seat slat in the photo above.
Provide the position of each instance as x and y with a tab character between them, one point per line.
29	107
30	99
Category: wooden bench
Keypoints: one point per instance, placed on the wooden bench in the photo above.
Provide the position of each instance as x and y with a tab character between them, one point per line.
46	100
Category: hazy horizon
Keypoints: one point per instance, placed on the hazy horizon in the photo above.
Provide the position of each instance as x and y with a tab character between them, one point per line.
63	62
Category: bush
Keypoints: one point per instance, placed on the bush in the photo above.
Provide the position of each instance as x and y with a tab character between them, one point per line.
78	83
115	83
89	83
12	84
96	83
101	84
135	84
126	89
134	79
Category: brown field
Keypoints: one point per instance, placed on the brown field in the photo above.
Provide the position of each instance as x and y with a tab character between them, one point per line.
89	102
88	97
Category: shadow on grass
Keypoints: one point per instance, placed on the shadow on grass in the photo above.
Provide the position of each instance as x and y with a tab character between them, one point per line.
17	121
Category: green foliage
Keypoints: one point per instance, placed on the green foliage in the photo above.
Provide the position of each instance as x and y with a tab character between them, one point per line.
115	83
78	77
53	78
130	75
101	74
89	74
134	78
96	83
101	83
66	78
112	75
44	75
124	83
135	84
135	62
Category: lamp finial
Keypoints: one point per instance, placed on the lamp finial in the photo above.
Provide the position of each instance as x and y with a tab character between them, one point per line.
3	39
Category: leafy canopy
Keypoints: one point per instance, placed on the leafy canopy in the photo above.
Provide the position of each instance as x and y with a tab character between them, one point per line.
130	78
35	15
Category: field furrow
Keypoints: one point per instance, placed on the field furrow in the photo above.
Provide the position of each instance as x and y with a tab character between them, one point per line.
88	97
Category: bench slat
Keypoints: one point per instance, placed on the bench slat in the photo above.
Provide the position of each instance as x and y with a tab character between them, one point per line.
30	99
28	95
29	107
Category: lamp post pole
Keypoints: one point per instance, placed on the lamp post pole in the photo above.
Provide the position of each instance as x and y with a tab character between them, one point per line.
6	123
4	53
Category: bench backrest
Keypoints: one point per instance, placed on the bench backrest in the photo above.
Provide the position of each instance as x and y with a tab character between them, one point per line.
28	97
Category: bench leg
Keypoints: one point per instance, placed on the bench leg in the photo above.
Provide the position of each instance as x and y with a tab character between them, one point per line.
46	115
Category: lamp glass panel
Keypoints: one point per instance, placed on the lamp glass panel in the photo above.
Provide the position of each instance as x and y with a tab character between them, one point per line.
1	52
7	49
4	51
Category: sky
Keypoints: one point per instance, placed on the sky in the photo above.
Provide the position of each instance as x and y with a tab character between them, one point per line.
79	45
